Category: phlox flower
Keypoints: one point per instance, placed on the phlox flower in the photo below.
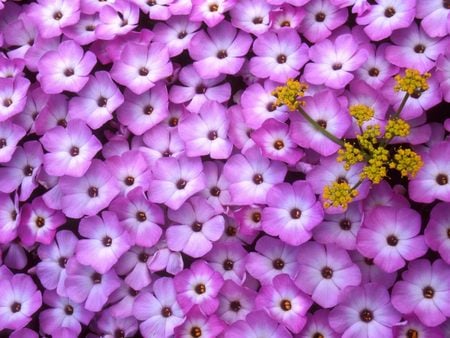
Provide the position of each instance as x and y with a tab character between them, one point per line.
286	17
435	17
66	68
13	92
437	232
413	326
197	325
21	33
358	6
134	266
371	273
117	18
108	325
10	135
252	16
36	101
235	302
53	114
216	190
228	259
219	50
318	325
9	218
83	32
443	74
122	300
210	12
156	9
93	6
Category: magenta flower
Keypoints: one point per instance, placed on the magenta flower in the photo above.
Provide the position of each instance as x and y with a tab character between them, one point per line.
370	273
424	291
437	231
271	258
292	212
334	61
66	68
71	149
251	176
286	17
97	101
13	96
89	194
210	13
9	220
386	16
134	265
219	50
443	74
83	32
197	324
365	311
229	259
106	240
326	109
197	224
205	133
251	16
199	286
108	325
51	270
19	300
10	135
434	15
279	56
284	302
38	223
175	180
390	237
317	324
235	302
432	180
118	19
216	190
141	218
324	272
140	67
160	310
53	114
413	326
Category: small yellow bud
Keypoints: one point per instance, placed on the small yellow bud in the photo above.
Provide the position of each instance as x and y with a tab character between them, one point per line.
338	195
290	94
397	127
350	155
376	170
361	113
412	82
368	139
407	162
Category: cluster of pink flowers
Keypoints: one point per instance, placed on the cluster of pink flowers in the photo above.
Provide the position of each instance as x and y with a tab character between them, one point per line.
152	185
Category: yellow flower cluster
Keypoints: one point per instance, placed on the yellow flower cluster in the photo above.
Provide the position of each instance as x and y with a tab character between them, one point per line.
361	113
368	139
338	195
350	155
407	162
396	127
290	94
376	169
412	82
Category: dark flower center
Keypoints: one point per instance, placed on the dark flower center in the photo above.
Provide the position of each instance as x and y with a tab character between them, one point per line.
57	15
74	151
14	215
446	4
296	213
258	20
132	292
200	288
228	264
420	49
285	24
212	135
417	93
129	181
327	272
143	257
93	192
200	89
173	122
322	123
278	264
181	184
196	226
337	66
90	28
285	305
15	307
141	216
341	179
213	8
143	71
7	102
320	17
69	72
148	110
214	191
258	179
271	107
392	240
28	170
374	72
278	144
182	35
40	222
222	54
107	241
119	333
318	335
3	143
442	179
366	316
231	231
389	12
96	278
411	333
151	2
368	261
62	123
448	233
345	224
196	332
428	292
102	101
235	305
166	312
167	153
281	58
68	309
256	217
62	261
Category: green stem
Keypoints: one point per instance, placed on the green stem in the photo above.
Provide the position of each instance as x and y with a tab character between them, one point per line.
402	105
322	130
357	184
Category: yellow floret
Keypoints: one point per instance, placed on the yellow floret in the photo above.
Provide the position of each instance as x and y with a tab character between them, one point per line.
407	162
368	139
338	195
376	170
397	127
290	94
361	113
350	155
412	82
